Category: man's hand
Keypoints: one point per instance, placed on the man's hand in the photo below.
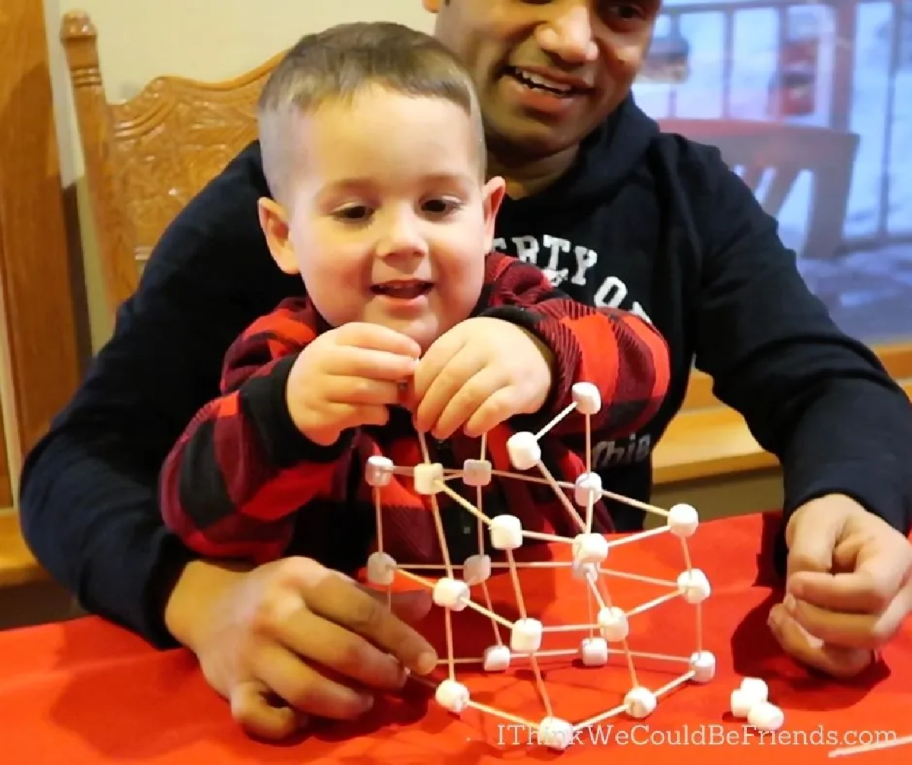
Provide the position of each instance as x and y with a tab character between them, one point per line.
477	375
291	640
848	587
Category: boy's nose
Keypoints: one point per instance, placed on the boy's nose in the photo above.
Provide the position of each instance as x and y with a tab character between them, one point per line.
401	237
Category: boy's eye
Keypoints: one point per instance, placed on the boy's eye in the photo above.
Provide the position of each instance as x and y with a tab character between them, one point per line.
355	213
439	206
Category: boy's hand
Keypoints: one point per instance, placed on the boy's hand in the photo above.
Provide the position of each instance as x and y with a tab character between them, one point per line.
347	378
477	375
291	640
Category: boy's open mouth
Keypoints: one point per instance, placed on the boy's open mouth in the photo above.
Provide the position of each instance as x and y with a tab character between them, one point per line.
402	289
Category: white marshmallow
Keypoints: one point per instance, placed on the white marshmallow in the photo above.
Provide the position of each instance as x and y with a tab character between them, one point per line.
581	571
496	658
740	703
524	451
379	470
381	569
594	652
428	477
756	689
590	548
683	520
526	636
612	622
476	472
506	532
476	569
555	733
587	398
451	593
694	585
452	696
765	716
703	666
640	702
586	485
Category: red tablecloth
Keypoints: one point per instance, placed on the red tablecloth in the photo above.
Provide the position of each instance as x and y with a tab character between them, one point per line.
87	692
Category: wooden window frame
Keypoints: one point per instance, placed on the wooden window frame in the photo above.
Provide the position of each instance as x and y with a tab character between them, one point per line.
896	358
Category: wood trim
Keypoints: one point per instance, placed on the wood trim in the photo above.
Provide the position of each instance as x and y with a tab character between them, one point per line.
705	444
711	442
17	564
896	358
6	472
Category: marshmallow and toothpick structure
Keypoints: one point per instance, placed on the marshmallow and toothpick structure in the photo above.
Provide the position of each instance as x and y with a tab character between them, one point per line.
607	623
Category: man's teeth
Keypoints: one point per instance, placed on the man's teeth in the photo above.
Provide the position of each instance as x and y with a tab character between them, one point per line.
537	80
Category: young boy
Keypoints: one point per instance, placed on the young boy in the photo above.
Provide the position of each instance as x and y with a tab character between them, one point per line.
374	150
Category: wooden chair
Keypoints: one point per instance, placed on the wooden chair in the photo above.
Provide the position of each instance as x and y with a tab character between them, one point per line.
760	149
146	157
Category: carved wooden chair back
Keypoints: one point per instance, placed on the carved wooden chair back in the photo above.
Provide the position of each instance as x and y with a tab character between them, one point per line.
146	157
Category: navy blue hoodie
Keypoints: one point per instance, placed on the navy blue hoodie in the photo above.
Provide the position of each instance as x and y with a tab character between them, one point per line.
652	223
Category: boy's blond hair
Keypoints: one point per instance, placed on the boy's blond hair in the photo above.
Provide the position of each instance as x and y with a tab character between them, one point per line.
338	64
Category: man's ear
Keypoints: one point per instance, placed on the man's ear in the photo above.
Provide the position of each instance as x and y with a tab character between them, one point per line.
493	195
275	228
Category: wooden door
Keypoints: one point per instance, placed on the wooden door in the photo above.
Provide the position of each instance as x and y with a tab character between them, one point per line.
39	360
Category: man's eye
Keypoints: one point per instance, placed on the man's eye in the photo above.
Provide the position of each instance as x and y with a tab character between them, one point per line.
624	11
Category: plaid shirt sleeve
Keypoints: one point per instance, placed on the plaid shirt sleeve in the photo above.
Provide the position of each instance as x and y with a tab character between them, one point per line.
240	471
623	355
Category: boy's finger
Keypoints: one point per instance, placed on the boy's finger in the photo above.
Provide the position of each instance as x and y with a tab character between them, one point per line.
460	388
354	391
475	391
370	364
378	338
499	406
435	359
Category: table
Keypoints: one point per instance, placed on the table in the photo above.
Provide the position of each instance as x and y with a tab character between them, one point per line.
88	692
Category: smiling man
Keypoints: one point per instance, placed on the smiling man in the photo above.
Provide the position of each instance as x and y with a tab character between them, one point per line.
619	214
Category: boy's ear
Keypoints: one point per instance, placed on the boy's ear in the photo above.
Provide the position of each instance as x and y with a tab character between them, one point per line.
275	228
493	195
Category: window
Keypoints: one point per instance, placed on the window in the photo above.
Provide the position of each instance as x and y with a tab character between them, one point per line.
812	104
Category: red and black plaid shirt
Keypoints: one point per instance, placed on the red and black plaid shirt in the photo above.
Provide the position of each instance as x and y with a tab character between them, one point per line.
242	482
